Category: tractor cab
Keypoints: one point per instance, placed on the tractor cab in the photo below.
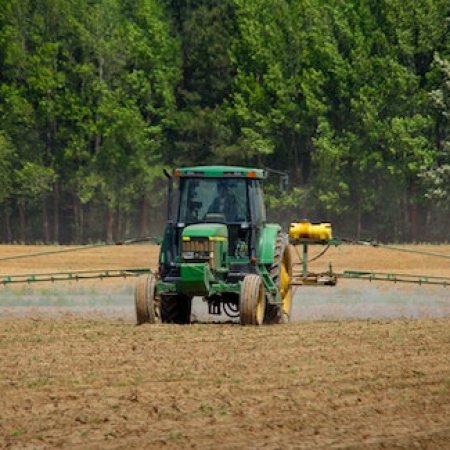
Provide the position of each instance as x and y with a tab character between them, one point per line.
233	199
213	204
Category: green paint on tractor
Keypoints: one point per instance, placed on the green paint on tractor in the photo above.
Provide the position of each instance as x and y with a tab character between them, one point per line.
218	245
219	171
202	230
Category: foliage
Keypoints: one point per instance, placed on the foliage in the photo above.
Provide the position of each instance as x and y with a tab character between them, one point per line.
7	156
437	178
352	98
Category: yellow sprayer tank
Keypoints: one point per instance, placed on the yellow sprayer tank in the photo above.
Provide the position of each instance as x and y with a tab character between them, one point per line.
308	230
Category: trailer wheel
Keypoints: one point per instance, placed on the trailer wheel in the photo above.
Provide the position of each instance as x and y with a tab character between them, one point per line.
145	301
281	274
252	301
176	309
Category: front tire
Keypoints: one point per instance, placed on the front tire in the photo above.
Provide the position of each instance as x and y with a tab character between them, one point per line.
146	304
252	301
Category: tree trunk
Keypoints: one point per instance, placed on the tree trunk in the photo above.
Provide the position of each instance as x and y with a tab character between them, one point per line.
9	236
413	220
358	223
296	165
45	221
127	224
428	225
413	215
23	225
110	225
81	210
144	217
76	218
119	232
56	213
406	223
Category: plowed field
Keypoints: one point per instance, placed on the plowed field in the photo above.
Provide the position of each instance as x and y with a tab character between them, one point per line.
79	377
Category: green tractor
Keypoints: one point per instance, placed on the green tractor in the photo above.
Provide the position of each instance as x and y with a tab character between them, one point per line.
217	245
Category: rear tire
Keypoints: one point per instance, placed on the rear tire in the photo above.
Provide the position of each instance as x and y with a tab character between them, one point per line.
281	274
146	304
176	309
252	301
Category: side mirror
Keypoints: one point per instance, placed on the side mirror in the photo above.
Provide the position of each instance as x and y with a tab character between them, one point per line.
284	178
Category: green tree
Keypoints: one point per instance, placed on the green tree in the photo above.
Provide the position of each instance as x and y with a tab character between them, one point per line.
437	178
7	157
33	181
200	125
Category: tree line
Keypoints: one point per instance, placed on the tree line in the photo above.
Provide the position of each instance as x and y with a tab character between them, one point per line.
350	97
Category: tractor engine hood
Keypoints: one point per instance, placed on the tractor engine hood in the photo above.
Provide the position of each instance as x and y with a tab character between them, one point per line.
210	231
204	252
205	242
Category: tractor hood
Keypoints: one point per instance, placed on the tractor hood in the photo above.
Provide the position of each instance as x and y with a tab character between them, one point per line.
204	252
211	231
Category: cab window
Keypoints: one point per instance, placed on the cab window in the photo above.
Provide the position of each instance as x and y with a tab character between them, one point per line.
213	199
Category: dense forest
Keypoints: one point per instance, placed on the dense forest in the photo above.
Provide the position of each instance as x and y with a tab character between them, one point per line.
350	97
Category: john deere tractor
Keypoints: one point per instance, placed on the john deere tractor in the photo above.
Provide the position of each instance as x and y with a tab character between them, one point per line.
217	245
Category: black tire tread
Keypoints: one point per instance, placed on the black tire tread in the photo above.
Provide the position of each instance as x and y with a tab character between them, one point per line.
176	309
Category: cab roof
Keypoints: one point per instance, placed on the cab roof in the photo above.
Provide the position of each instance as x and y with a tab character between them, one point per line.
220	172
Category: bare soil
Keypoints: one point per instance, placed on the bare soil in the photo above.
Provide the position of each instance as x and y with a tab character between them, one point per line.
108	384
342	258
95	382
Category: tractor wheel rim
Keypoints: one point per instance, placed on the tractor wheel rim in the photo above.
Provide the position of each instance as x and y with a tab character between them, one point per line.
285	290
260	307
157	309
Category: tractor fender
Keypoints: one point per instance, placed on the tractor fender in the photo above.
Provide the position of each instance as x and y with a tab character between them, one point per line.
266	243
